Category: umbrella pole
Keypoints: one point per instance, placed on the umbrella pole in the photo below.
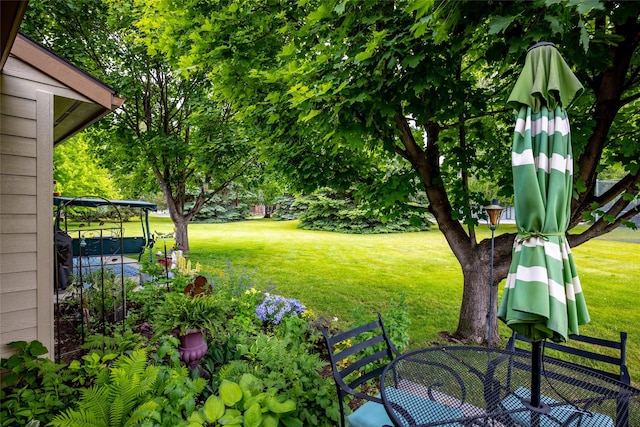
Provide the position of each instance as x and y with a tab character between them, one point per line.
536	368
535	406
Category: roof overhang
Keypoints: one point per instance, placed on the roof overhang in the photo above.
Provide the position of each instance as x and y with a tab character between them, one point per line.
12	12
70	115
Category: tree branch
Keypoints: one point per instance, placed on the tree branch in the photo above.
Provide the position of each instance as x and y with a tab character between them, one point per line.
629	99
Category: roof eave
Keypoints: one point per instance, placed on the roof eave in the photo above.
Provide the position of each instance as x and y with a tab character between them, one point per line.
49	63
10	19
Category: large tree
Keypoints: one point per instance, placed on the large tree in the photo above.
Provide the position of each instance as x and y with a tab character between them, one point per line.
170	127
428	80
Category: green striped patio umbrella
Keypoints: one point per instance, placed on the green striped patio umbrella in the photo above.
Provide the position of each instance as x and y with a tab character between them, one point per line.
543	298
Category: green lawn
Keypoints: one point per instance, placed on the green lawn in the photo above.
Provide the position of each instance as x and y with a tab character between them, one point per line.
332	273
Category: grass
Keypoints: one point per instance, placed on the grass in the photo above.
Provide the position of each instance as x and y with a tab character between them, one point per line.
332	273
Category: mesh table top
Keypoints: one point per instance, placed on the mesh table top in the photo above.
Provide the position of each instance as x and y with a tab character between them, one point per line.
476	386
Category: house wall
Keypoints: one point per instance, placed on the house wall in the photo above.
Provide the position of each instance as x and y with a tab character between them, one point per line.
27	99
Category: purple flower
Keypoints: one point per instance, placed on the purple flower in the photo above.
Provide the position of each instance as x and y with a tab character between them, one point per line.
275	307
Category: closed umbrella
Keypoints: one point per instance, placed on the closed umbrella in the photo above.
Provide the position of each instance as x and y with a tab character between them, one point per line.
543	298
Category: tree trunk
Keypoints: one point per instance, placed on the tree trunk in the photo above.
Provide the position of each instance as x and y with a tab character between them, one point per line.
182	233
473	257
269	210
180	221
473	320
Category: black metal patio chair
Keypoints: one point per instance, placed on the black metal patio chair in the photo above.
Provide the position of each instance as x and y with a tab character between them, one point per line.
592	357
358	357
597	353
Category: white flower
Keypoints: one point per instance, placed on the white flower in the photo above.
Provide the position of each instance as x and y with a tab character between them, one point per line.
335	319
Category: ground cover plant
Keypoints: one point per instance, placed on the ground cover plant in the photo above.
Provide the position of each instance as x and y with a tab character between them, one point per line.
334	272
265	342
265	364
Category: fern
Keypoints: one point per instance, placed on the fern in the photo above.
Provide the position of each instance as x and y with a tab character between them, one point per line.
148	380
95	401
234	370
119	343
141	413
128	385
125	399
122	393
79	418
134	364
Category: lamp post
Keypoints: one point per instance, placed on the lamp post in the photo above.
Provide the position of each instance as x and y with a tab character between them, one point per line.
493	212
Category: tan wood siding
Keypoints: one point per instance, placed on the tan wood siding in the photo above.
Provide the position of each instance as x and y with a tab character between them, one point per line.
26	334
16	262
18	126
13	242
15	184
17	107
18	224
17	204
17	165
22	281
17	146
19	217
20	320
18	301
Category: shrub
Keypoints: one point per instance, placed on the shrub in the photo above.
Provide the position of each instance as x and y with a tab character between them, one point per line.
268	336
288	209
134	391
181	312
331	211
123	397
36	387
222	208
235	282
396	321
118	342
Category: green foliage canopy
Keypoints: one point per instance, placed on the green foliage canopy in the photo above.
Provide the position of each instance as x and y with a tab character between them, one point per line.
338	84
171	127
334	81
78	172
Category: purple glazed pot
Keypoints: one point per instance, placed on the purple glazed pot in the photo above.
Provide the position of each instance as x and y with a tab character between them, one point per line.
192	347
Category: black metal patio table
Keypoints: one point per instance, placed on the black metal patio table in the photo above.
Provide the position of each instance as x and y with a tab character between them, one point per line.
477	386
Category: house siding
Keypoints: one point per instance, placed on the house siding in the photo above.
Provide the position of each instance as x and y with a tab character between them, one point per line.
26	186
35	85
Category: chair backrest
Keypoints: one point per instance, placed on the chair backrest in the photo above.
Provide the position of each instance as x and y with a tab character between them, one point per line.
619	348
358	356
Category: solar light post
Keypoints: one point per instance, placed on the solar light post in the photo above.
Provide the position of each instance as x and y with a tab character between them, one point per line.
494	210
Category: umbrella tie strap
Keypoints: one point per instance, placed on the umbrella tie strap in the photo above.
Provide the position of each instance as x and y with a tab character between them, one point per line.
526	235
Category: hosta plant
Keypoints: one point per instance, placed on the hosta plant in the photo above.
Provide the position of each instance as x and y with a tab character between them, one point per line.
246	403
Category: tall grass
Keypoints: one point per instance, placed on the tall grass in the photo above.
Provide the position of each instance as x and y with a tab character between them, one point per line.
333	273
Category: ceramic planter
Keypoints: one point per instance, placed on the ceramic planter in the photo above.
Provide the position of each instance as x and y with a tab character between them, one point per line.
192	347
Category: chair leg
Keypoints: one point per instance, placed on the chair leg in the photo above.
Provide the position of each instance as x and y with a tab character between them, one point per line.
343	419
